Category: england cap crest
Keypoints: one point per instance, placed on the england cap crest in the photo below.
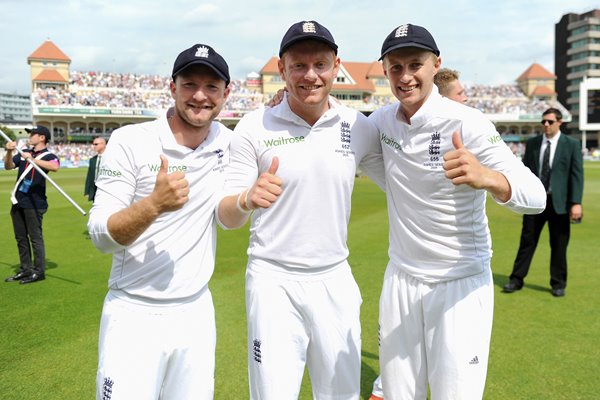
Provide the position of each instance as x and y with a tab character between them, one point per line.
205	55
409	35
306	30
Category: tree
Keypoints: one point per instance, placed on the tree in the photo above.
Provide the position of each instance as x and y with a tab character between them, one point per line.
8	132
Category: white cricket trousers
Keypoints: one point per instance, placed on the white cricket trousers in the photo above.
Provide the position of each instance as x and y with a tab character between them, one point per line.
435	333
298	320
151	352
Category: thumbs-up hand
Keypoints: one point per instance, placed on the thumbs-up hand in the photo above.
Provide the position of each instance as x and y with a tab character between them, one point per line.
171	190
462	167
266	189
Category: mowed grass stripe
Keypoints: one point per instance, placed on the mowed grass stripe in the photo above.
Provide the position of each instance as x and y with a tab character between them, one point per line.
542	347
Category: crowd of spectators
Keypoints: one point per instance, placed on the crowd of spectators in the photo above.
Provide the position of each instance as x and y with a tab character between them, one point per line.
72	154
116	98
93	79
503	99
100	89
139	91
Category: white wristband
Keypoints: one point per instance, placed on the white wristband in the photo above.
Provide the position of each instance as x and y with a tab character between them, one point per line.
246	201
239	206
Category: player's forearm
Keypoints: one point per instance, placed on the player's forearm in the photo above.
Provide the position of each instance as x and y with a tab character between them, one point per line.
127	225
229	211
498	186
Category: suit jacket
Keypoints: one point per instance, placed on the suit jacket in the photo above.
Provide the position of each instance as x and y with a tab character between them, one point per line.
90	185
566	179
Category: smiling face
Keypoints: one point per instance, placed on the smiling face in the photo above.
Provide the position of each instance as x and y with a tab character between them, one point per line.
308	69
410	72
199	95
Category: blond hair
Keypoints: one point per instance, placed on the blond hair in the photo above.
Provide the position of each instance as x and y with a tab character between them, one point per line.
444	78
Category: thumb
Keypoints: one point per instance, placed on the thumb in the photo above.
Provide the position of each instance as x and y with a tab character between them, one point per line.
274	166
457	140
164	165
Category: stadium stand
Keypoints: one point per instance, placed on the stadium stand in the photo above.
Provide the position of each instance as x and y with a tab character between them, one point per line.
76	105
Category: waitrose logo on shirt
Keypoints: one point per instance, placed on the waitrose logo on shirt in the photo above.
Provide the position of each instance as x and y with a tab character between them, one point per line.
109	172
390	142
283	140
170	168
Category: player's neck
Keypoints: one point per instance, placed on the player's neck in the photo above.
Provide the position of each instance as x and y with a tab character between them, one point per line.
309	112
186	134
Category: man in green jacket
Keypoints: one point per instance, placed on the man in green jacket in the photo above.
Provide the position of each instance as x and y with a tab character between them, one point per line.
99	144
558	161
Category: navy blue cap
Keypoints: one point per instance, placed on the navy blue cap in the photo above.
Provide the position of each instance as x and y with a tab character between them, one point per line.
205	55
40	130
409	35
306	30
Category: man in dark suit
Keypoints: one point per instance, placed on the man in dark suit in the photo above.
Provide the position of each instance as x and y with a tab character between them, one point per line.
558	161
99	144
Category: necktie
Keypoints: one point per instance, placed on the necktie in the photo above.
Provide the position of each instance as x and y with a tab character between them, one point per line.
545	174
97	167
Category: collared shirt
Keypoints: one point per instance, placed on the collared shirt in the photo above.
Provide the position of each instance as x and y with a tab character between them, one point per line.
306	228
173	259
438	230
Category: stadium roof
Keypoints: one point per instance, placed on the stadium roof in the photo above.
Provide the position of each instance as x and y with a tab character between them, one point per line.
270	67
48	51
536	71
543	91
50	75
360	73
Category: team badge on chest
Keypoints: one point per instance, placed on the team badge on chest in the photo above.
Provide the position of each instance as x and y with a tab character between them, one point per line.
435	159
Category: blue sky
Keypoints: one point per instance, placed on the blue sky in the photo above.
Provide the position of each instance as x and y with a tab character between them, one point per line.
489	42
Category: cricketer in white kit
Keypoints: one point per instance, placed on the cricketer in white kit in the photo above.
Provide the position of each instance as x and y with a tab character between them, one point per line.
295	168
441	161
155	211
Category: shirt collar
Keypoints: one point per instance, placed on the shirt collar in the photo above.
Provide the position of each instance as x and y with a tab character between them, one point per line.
423	114
553	139
283	111
169	143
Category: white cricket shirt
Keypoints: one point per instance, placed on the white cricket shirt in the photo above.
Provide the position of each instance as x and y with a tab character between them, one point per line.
306	228
439	231
174	258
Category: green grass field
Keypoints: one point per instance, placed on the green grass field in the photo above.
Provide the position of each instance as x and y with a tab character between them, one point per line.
542	347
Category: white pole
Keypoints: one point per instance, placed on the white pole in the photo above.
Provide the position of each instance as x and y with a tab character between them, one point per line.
38	169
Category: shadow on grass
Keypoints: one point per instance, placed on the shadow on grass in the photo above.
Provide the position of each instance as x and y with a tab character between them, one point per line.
16	267
500	280
50	265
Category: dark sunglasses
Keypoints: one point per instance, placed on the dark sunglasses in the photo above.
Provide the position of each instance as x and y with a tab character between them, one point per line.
549	121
